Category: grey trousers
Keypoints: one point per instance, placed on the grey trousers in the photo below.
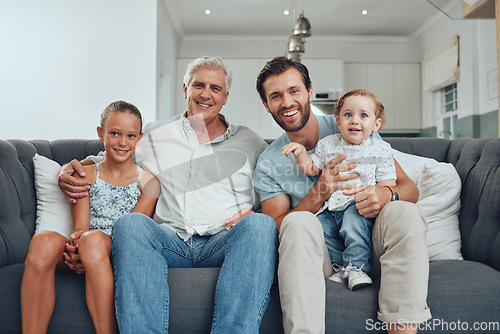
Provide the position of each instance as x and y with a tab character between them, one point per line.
399	255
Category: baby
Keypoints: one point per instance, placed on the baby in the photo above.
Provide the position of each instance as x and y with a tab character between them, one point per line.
348	234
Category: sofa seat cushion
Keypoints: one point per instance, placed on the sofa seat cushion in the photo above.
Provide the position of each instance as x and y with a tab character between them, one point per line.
192	292
464	291
10	303
459	291
70	314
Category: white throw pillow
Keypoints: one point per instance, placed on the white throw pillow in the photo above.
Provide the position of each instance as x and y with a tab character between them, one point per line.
53	210
439	185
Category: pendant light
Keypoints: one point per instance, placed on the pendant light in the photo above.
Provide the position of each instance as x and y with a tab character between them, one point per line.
293	56
295	44
302	26
302	29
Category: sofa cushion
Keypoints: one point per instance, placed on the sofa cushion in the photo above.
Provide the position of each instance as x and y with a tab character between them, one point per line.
17	204
460	292
434	148
191	297
465	293
70	312
439	186
53	210
478	164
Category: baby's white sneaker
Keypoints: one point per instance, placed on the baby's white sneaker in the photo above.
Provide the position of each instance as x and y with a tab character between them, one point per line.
339	274
356	278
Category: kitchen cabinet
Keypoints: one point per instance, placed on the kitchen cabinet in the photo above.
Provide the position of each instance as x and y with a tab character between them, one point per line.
407	97
398	88
327	74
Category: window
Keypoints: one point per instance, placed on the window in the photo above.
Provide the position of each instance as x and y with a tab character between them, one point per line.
449	95
449	112
441	65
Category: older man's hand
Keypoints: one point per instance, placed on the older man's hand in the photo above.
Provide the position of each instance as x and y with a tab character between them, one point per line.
230	222
72	187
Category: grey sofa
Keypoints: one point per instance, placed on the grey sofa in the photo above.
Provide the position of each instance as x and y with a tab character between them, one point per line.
463	295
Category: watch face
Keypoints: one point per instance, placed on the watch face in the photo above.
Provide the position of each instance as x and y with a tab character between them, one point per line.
395	197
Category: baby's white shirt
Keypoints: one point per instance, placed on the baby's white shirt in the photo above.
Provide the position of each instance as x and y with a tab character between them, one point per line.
374	160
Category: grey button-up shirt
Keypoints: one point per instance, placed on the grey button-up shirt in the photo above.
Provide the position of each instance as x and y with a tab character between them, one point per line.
201	185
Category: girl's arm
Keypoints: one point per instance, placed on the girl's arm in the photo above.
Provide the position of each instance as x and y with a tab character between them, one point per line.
150	191
80	211
302	159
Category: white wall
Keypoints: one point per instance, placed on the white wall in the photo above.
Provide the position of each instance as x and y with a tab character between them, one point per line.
62	62
167	46
487	62
477	57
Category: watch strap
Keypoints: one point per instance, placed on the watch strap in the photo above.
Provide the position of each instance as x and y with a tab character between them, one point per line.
394	194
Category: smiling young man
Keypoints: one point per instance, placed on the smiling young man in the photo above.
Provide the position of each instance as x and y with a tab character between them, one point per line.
204	214
292	199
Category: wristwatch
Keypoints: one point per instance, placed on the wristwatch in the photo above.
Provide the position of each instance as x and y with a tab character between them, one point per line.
394	194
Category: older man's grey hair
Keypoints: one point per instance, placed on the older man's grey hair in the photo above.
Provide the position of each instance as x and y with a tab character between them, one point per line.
210	62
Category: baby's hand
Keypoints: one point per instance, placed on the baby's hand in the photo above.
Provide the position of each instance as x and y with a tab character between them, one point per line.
294	148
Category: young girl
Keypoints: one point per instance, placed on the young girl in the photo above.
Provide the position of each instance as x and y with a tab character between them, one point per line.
347	233
118	186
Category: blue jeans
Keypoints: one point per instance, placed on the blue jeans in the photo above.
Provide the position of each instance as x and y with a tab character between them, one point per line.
143	251
348	237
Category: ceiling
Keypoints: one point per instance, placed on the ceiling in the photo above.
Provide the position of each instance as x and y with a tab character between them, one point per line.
327	17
